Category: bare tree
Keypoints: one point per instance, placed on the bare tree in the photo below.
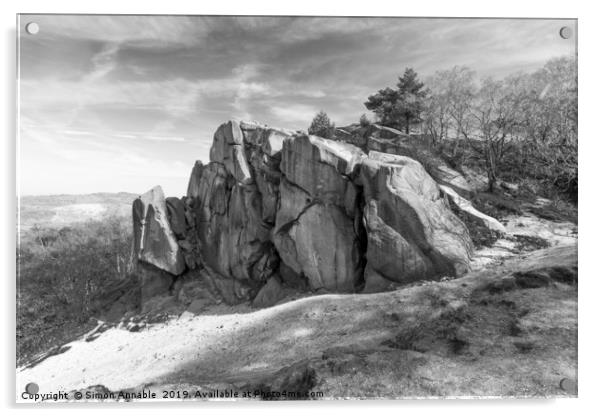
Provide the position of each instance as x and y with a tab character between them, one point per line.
497	119
451	95
550	122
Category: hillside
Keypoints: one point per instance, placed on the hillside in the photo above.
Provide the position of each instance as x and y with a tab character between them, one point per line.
362	267
423	340
64	209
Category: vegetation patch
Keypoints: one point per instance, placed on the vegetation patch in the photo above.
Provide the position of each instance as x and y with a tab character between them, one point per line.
554	213
529	243
496	205
481	235
66	277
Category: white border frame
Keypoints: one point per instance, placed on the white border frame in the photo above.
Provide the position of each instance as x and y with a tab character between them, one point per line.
589	154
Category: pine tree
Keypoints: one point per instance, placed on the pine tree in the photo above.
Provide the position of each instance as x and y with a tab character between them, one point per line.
322	126
402	107
364	121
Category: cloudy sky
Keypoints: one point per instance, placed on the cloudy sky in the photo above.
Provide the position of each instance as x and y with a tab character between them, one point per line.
122	103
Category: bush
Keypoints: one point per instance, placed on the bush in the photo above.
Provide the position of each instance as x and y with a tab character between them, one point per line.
364	121
62	276
321	126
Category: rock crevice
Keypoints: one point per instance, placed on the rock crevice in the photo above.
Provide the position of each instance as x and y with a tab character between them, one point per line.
285	208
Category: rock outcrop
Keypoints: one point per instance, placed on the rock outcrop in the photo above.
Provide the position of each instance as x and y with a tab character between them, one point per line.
388	140
276	209
154	240
467	208
412	234
315	234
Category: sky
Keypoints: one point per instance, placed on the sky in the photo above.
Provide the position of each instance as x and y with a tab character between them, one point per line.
124	103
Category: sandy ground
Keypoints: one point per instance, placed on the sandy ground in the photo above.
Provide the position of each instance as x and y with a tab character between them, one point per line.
463	340
555	233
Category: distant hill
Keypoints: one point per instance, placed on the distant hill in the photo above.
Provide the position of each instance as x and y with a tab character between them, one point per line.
64	209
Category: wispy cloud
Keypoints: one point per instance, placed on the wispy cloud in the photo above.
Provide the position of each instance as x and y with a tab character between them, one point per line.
124	101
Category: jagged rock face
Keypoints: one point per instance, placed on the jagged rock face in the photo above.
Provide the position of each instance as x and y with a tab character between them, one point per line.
270	294
314	233
388	140
153	282
206	287
228	149
286	209
322	245
436	167
176	214
194	184
233	237
361	135
319	166
467	208
154	240
412	234
449	177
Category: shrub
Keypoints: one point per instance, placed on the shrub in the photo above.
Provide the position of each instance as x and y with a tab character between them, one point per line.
322	126
364	121
62	276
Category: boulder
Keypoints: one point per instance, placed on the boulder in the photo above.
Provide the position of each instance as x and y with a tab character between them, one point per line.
198	306
412	233
293	201
319	166
192	286
322	245
291	279
268	139
228	149
375	282
269	294
268	188
153	282
194	184
360	136
176	214
383	132
230	290
154	241
437	168
466	207
263	146
449	177
232	236
383	145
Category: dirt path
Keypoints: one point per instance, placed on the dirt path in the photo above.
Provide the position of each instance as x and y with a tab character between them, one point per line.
232	349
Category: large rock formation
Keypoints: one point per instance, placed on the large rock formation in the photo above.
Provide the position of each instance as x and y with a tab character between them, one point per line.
315	234
284	208
412	234
154	240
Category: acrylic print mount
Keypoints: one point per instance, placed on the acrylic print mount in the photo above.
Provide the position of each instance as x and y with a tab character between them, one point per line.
296	208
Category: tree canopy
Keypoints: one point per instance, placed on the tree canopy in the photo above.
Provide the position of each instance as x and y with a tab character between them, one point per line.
525	123
401	107
321	126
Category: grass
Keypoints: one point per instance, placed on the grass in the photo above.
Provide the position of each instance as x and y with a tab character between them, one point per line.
464	337
64	276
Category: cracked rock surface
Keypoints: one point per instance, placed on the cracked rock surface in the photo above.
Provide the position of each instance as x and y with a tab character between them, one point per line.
276	206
